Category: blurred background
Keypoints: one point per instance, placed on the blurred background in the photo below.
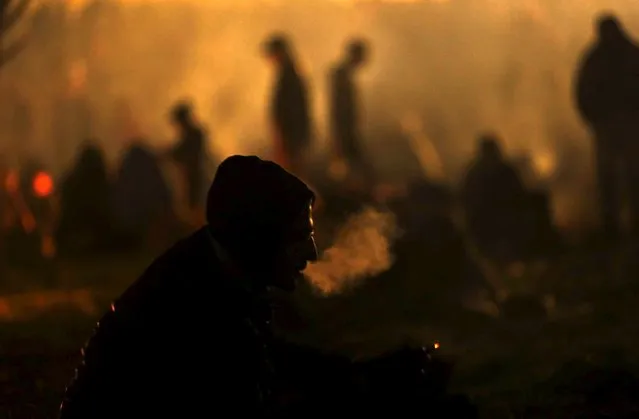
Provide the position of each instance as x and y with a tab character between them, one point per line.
87	90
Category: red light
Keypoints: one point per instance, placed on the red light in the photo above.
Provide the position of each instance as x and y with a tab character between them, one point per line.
42	184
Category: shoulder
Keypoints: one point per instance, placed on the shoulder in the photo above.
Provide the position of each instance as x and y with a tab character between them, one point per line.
165	287
161	299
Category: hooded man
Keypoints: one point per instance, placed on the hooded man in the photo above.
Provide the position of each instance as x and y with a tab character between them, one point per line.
193	332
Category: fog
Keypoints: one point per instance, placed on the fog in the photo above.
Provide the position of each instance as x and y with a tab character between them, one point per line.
440	73
362	249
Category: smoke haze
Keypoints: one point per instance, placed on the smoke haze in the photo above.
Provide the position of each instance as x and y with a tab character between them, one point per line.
362	249
454	68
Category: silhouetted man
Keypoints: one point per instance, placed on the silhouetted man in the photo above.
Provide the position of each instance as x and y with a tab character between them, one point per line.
190	153
345	110
289	108
191	335
493	197
608	100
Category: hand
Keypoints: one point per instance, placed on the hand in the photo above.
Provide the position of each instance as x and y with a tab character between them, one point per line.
405	369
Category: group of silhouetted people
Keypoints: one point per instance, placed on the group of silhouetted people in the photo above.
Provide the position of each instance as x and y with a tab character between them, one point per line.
195	332
504	218
100	210
607	95
291	122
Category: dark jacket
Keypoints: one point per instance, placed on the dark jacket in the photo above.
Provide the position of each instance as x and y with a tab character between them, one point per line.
183	341
186	340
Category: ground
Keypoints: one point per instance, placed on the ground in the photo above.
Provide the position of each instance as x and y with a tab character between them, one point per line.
502	363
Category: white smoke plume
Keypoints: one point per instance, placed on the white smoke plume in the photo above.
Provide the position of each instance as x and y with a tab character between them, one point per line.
362	249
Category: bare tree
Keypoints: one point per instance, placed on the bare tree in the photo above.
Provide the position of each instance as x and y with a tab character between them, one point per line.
12	13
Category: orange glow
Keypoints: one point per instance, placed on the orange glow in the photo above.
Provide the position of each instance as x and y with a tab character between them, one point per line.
24	306
48	247
545	163
28	222
78	5
436	345
338	169
77	78
12	182
42	184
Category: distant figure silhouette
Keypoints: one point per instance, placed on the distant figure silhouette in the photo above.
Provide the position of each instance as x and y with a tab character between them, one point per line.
432	245
608	100
85	220
289	108
493	196
345	110
141	196
190	153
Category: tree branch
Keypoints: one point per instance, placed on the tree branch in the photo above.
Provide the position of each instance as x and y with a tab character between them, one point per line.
9	53
12	12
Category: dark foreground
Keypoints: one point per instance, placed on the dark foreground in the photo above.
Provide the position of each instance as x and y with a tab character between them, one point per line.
516	365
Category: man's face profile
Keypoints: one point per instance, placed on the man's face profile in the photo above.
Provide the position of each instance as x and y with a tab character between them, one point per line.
298	251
